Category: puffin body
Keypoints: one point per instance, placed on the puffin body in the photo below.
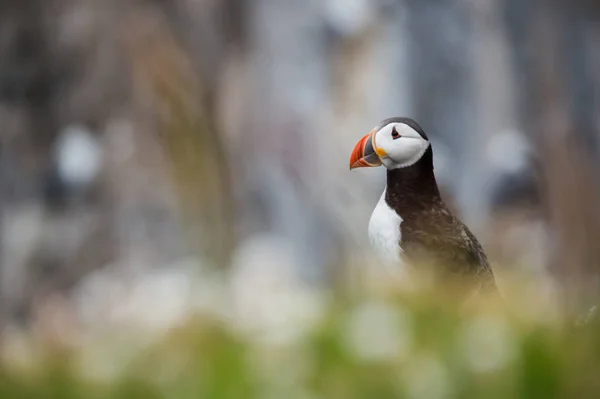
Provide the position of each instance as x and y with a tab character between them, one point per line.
411	224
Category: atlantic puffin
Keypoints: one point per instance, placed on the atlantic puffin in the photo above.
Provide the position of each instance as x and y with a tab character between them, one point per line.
411	224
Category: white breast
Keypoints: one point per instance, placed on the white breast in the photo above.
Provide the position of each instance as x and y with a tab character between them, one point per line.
384	233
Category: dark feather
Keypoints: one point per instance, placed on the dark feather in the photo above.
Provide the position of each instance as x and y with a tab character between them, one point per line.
430	233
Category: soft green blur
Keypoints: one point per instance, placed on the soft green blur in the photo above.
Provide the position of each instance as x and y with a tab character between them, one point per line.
378	344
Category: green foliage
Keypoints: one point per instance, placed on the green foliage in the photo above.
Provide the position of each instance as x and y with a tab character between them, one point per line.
375	346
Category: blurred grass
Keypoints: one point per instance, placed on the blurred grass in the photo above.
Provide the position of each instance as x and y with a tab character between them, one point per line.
379	344
169	92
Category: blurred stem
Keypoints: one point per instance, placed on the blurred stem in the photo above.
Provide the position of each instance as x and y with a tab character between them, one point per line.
163	69
571	191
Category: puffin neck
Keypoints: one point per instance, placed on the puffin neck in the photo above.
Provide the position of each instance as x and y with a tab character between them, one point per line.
413	188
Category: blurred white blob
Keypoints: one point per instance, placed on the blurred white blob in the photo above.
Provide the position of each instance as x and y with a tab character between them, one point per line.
125	314
426	378
209	295
508	151
378	332
78	156
349	17
97	294
104	362
151	302
269	302
488	343
158	300
588	316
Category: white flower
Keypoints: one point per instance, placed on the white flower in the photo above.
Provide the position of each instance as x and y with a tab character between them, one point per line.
150	303
349	16
426	378
376	331
268	301
488	343
78	155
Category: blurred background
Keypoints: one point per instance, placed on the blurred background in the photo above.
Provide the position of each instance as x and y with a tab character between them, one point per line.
147	145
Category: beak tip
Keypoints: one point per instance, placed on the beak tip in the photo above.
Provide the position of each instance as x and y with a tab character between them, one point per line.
363	155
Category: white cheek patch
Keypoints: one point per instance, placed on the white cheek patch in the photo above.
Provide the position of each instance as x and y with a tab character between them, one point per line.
401	152
410	160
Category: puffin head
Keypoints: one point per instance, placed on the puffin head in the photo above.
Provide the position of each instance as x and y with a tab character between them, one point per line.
395	143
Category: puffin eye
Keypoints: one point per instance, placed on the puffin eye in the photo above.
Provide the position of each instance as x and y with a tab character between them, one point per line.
395	134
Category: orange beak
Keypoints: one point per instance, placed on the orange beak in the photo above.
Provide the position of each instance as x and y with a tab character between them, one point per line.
364	154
